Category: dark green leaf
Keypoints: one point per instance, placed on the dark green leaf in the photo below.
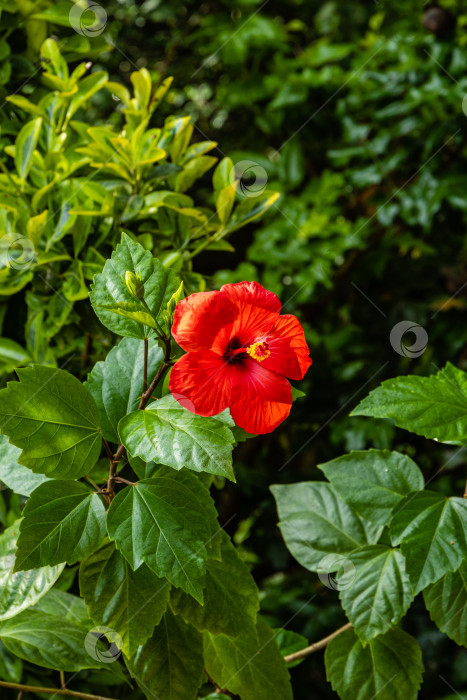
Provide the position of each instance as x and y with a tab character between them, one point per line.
130	602
230	597
170	664
168	433
109	287
318	527
446	601
63	522
52	417
167	522
372	482
435	406
117	383
26	142
375	590
249	666
290	642
22	589
390	667
433	533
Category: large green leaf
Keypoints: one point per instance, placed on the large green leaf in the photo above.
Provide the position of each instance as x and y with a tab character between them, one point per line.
26	142
53	418
432	530
167	522
16	477
169	665
109	287
319	527
389	667
117	383
130	602
230	598
63	522
250	665
48	640
446	601
373	482
435	406
375	590
22	589
168	433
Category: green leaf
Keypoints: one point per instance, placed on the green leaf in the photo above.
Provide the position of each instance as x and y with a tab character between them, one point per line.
22	589
168	433
375	590
87	87
168	523
109	287
12	355
373	482
170	664
318	527
117	383
446	601
389	667
130	602
230	598
252	208
26	142
290	642
16	477
52	417
49	640
11	668
432	530
435	407
63	522
249	666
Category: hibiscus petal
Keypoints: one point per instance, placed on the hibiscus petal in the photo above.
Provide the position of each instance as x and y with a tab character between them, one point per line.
261	399
258	309
289	351
202	382
200	318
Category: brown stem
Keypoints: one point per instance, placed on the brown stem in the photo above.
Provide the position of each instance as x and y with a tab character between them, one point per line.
316	646
120	480
465	490
107	449
52	691
145	368
164	365
62	679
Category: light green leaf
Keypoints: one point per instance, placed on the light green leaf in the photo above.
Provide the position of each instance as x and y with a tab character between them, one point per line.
129	602
390	667
318	527
168	433
63	522
446	601
167	522
16	477
117	383
170	664
26	142
251	208
373	482
109	287
432	530
12	355
230	598
87	87
249	666
435	407
22	589
374	589
52	417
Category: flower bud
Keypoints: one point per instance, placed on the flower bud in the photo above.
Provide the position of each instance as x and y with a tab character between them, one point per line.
134	284
168	313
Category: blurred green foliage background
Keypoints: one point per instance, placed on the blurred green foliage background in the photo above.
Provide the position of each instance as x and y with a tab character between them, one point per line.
355	112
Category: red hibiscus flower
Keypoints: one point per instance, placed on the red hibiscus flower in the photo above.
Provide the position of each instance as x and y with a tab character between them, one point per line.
239	352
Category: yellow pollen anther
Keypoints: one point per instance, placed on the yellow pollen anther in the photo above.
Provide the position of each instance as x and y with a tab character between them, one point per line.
259	351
